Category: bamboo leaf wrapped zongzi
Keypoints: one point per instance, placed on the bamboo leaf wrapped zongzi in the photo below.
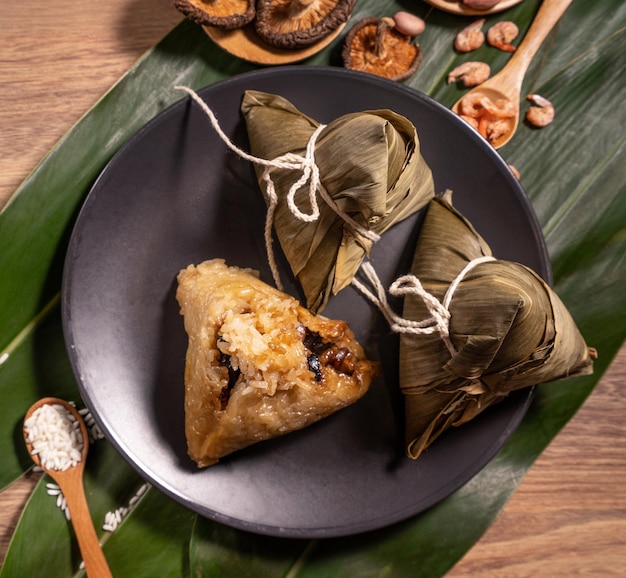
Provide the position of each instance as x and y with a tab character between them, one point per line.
370	169
507	330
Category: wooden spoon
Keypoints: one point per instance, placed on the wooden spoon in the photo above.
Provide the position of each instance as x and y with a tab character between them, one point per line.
507	84
71	483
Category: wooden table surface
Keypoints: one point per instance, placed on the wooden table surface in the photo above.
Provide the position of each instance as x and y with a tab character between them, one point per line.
568	517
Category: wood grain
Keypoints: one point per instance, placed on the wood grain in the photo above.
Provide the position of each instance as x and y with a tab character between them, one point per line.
57	59
568	517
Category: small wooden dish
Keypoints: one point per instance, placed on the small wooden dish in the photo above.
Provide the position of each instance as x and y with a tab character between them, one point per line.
245	43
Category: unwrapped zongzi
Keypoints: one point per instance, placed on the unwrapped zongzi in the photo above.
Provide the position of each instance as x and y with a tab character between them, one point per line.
507	330
258	364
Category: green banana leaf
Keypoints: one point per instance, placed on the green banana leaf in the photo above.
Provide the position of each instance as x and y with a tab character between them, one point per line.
574	173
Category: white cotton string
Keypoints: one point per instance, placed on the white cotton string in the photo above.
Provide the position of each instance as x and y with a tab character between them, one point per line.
439	319
272	202
310	174
397	323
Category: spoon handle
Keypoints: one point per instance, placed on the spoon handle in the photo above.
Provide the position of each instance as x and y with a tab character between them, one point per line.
95	563
547	16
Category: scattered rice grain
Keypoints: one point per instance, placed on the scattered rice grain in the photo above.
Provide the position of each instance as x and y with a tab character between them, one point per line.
141	491
95	433
113	519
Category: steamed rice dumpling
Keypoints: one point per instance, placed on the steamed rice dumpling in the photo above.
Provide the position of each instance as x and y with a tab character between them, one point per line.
507	330
371	168
258	364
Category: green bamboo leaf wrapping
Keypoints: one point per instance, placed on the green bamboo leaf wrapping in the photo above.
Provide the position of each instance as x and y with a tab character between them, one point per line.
508	330
381	160
573	171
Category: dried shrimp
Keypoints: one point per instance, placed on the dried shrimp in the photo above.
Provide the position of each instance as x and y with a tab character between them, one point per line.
542	113
501	35
470	73
492	119
471	37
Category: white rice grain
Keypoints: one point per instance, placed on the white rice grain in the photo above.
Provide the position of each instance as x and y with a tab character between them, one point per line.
61	503
113	519
95	433
52	432
53	489
55	436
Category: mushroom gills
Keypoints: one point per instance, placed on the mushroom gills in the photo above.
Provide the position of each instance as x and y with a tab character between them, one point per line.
293	24
224	14
374	45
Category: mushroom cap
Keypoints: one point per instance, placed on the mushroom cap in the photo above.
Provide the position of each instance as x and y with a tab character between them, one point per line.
375	46
298	23
225	14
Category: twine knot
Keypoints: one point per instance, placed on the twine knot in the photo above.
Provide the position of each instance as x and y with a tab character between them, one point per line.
439	311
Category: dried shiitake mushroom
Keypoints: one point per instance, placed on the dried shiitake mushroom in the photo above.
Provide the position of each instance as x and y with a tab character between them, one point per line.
375	45
225	14
299	23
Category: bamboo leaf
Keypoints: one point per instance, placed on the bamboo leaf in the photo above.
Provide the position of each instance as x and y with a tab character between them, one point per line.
153	540
582	155
54	545
38	367
573	172
217	551
109	483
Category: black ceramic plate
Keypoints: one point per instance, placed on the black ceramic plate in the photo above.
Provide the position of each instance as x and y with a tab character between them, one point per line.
175	195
